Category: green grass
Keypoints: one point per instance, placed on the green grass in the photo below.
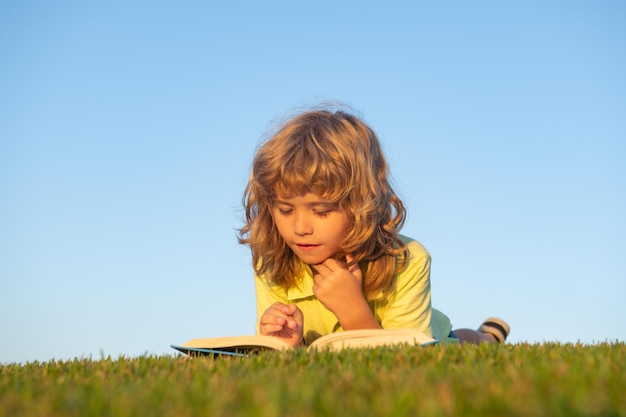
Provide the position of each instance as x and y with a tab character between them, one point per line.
487	380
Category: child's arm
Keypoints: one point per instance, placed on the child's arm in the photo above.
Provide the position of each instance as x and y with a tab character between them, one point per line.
409	304
340	290
283	321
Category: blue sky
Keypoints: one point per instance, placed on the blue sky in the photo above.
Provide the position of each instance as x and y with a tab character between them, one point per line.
127	130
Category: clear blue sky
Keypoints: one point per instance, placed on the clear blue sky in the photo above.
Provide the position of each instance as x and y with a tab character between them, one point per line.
127	130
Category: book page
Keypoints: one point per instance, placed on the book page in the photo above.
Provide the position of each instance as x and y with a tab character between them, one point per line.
371	338
239	343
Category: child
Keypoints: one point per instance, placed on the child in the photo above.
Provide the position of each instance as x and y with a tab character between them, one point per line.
323	222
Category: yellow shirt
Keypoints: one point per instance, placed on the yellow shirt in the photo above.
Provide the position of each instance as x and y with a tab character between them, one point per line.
406	306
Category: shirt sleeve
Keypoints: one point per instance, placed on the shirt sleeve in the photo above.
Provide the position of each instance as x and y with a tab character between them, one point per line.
409	304
266	295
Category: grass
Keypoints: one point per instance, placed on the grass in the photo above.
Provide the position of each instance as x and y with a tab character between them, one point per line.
487	380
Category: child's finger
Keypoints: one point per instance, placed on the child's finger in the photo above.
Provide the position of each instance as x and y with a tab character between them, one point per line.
329	265
323	268
268	325
280	314
279	308
289	309
270	328
353	268
293	309
274	319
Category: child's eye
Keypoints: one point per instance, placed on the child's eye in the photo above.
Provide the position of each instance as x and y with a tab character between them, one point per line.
322	213
284	211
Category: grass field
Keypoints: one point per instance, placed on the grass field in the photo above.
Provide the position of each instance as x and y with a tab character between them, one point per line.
487	380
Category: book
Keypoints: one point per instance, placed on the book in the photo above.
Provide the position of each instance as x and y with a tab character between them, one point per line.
349	339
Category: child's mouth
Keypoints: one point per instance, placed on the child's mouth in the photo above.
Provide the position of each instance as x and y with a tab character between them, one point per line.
306	246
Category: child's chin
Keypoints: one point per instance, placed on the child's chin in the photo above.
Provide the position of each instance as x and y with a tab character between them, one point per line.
312	259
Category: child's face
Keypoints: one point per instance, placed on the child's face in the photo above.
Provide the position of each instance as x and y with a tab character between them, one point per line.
312	227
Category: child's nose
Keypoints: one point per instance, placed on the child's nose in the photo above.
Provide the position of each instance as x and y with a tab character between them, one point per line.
302	225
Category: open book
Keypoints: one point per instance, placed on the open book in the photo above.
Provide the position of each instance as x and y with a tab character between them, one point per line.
244	345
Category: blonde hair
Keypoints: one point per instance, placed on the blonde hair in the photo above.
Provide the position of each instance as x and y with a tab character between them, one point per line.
338	157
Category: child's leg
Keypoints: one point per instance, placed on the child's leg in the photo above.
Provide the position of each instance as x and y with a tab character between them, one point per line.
493	330
473	336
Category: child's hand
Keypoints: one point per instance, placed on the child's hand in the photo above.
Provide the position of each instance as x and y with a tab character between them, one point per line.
338	287
284	321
